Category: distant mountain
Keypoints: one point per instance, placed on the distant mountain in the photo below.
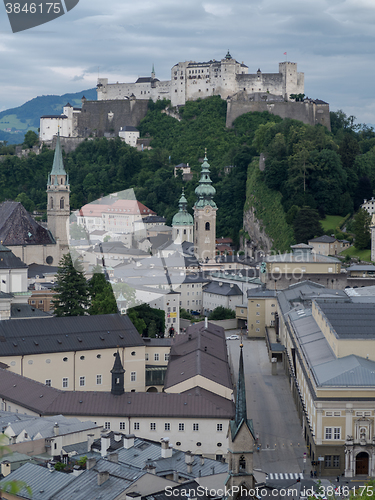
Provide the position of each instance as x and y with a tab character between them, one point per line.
15	122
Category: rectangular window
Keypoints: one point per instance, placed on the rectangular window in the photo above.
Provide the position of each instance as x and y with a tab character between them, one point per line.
167	426
146	356
328	461
219	427
133	376
136	426
49	382
152	426
337	433
156	357
98	380
336	461
81	381
328	433
65	382
195	427
166	356
181	427
122	426
107	425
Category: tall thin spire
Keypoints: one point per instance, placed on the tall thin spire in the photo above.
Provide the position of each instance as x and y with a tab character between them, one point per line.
58	165
241	413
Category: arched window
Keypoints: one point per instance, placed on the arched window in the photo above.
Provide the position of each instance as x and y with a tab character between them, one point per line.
184	231
51	202
207	227
61	181
62	203
242	463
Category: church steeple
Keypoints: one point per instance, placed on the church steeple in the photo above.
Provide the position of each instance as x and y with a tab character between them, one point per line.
241	412
58	208
205	216
117	371
182	222
240	438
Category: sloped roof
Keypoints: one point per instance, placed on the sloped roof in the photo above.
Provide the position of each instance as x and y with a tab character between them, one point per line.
323	239
8	260
350	371
350	320
225	289
22	311
42	482
17	227
45	400
71	333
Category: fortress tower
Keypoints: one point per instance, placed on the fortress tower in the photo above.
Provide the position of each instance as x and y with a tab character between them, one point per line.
182	223
205	216
58	208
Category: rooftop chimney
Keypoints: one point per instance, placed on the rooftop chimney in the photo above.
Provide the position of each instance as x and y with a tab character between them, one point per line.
90	463
102	476
189	457
175	476
113	457
56	430
128	441
105	443
166	451
90	441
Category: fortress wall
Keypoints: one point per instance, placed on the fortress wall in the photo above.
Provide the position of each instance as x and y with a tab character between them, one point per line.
273	82
98	117
307	112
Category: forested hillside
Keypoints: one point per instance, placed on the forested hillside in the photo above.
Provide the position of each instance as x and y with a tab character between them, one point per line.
305	165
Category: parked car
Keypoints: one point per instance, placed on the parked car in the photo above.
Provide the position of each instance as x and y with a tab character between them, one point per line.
233	337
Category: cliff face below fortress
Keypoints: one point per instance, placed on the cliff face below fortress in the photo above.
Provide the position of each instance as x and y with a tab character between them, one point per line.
259	239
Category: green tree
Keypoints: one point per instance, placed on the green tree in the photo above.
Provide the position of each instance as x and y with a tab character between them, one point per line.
26	202
31	138
137	321
306	225
72	298
362	235
222	313
101	294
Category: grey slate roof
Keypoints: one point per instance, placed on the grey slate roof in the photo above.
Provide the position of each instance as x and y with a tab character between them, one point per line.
361	268
40	270
76	333
27	311
323	239
351	321
8	260
17	227
226	289
45	400
42	482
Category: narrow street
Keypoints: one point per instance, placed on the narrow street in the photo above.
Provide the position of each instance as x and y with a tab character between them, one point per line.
271	407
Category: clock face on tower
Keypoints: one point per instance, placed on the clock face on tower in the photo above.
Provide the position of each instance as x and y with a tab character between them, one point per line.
207	210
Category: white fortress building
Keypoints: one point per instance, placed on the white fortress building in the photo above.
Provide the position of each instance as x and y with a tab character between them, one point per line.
192	80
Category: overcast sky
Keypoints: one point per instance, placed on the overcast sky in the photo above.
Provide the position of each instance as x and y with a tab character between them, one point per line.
332	41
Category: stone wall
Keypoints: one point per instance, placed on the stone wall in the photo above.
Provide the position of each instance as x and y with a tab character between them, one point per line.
309	112
100	117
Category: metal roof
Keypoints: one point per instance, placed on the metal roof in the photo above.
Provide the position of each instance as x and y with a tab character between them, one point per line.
350	320
42	482
70	333
350	371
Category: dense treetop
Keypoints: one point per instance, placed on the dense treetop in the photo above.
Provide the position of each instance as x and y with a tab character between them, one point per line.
309	166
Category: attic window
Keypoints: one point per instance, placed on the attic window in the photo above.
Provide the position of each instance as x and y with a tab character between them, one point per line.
79	339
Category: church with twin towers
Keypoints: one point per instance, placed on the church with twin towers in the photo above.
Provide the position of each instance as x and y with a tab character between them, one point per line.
200	230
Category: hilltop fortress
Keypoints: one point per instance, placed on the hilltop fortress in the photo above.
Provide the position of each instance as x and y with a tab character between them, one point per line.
125	104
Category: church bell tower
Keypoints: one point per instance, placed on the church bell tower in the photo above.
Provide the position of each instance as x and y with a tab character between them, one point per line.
205	216
58	208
